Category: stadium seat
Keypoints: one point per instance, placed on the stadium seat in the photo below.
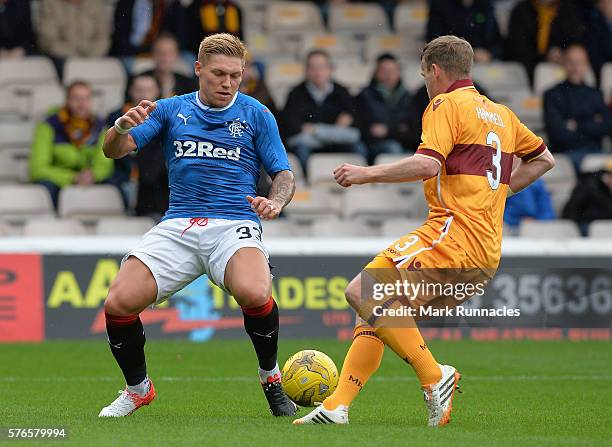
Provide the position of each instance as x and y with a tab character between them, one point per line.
281	228
606	81
5	230
547	75
595	162
397	228
411	75
53	227
354	74
265	46
90	202
601	229
43	98
396	44
103	70
10	107
321	166
357	18
296	168
563	173
107	98
549	229
142	64
20	162
282	76
16	134
560	181
500	76
18	202
32	70
9	172
337	228
373	204
339	46
290	17
309	205
124	226
410	19
526	106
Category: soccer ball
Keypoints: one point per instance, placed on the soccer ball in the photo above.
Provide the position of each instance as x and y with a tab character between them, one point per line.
309	377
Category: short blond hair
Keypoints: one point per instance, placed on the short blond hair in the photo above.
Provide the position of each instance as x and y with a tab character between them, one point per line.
452	54
222	43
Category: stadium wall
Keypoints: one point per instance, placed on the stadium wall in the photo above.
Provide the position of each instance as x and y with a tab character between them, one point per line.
54	288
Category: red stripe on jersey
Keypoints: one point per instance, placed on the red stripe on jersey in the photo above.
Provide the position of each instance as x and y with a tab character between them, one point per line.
477	159
534	154
431	153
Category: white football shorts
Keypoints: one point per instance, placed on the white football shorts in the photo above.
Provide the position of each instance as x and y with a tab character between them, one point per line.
177	251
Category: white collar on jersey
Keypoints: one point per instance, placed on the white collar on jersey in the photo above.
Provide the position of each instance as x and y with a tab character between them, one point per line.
214	109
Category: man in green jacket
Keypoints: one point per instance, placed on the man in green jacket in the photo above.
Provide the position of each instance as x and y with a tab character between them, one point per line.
67	146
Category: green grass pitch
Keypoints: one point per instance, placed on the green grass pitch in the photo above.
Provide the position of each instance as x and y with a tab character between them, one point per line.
514	394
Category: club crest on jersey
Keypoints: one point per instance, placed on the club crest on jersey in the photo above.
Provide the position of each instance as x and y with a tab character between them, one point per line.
236	127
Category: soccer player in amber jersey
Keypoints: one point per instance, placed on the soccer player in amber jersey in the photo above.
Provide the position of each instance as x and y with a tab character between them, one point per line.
465	163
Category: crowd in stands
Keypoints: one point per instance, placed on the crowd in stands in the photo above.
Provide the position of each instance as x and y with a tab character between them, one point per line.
320	114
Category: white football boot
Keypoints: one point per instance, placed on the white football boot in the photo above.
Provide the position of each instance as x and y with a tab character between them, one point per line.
322	415
439	397
127	403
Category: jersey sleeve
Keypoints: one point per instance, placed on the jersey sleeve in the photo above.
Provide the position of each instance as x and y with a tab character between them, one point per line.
268	144
152	127
441	127
528	145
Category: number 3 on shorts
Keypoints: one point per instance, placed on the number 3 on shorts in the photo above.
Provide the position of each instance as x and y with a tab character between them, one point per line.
245	232
494	141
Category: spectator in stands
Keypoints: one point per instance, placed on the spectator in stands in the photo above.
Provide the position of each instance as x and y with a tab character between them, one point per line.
382	110
166	57
138	23
147	167
539	30
600	36
591	199
16	34
73	28
473	20
67	146
575	114
532	203
253	85
319	113
205	17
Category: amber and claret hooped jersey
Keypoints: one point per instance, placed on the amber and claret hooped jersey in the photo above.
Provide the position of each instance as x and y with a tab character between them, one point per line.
474	140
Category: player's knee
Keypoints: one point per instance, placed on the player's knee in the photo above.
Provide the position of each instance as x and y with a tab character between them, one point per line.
117	302
254	295
353	294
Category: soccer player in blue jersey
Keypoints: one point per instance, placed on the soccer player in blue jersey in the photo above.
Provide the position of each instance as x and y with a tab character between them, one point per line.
214	141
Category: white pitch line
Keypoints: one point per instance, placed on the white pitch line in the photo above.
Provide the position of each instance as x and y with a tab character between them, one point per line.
520	378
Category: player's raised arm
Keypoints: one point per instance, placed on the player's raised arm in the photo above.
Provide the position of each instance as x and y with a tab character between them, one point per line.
409	169
528	172
117	142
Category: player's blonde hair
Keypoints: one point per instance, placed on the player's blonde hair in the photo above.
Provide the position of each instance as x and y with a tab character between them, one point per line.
451	53
222	43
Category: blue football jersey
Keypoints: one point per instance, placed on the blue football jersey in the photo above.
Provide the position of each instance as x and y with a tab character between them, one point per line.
214	154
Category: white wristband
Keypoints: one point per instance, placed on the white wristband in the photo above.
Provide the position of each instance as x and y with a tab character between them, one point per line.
120	130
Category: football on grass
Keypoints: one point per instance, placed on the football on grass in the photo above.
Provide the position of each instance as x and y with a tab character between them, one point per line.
309	377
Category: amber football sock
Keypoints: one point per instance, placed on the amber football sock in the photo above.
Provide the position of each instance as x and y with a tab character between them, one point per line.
362	360
408	343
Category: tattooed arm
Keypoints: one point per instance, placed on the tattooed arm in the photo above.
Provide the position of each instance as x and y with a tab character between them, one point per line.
281	192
